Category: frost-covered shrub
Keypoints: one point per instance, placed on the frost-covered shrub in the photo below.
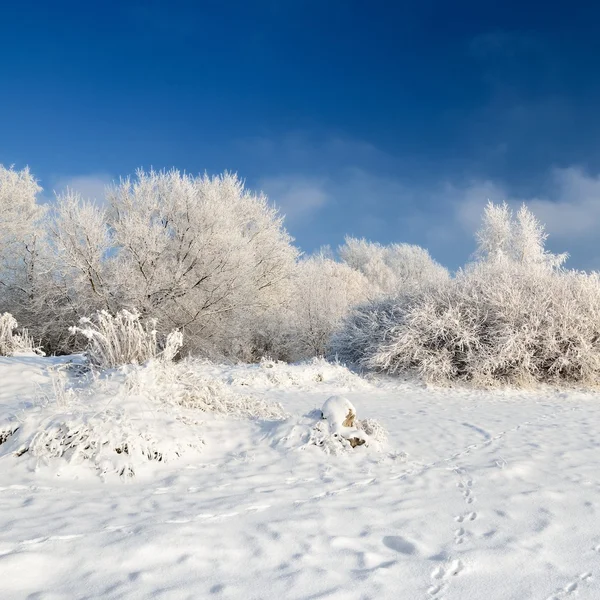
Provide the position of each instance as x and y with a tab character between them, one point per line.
12	342
493	325
121	339
367	326
513	317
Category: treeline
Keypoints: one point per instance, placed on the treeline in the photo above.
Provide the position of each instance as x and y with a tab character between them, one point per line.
206	257
200	254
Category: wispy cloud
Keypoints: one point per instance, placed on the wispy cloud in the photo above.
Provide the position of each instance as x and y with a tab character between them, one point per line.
297	197
91	186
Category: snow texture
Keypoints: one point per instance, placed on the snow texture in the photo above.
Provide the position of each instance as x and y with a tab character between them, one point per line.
478	494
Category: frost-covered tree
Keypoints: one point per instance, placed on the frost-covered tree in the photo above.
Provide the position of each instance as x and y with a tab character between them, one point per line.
394	268
83	243
505	238
21	240
323	292
201	254
80	268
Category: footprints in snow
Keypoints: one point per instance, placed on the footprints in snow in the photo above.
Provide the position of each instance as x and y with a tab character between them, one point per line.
466	517
571	587
467	492
460	533
441	574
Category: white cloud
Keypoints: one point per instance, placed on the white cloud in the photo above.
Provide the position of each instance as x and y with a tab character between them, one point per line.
297	197
570	213
575	212
91	186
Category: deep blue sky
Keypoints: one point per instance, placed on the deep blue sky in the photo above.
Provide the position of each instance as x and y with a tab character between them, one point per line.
390	120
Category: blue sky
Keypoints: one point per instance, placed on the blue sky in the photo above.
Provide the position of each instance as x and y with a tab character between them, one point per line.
390	120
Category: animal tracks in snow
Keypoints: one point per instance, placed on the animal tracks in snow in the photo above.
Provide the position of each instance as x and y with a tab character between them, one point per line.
467	492
466	517
466	488
441	575
571	588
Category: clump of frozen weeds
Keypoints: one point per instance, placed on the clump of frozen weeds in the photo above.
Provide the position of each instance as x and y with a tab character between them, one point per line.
122	338
13	341
123	422
184	384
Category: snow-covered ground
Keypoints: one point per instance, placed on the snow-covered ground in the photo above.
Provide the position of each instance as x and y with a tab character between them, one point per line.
477	495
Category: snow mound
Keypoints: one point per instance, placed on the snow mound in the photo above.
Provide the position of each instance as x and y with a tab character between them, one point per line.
270	374
102	433
120	442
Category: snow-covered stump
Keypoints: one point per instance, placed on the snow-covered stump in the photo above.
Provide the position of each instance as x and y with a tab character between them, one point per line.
340	415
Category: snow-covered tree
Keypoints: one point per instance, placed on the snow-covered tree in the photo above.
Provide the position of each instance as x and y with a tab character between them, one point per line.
521	239
201	254
81	236
394	268
323	292
21	238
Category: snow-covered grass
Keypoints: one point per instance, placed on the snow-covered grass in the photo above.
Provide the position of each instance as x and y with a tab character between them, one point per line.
270	375
121	339
474	495
11	341
118	421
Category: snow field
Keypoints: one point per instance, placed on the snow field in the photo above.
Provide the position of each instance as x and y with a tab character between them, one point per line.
477	495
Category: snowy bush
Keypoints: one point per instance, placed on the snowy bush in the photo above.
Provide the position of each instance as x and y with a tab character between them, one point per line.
123	339
513	317
366	327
